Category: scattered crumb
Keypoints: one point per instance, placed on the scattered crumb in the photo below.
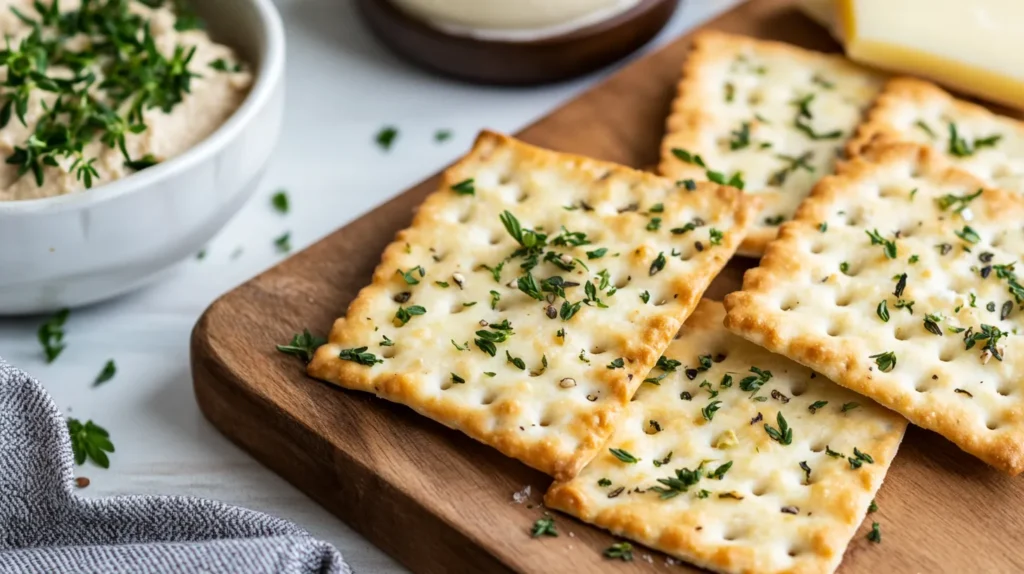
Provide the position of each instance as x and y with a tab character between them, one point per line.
572	535
81	482
647	558
671	562
521	496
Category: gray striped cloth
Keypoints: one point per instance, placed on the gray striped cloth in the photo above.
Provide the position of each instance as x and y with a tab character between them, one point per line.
45	527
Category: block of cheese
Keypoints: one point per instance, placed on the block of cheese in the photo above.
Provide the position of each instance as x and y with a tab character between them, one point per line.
973	46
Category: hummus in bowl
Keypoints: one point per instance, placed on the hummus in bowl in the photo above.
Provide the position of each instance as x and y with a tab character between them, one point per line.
152	158
91	93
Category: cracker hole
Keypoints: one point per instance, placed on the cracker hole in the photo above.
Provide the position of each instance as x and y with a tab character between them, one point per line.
522	196
466	216
947	354
1004	389
488	398
834	330
505	179
755	97
991	424
760	489
458	308
545	422
496	238
843	300
798	389
387	352
997	241
817	248
597	350
733	533
621	283
901	334
923	385
789	304
446	385
817	447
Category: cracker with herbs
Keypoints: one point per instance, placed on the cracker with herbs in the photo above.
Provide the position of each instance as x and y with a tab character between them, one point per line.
964	135
765	116
736	459
531	295
898	279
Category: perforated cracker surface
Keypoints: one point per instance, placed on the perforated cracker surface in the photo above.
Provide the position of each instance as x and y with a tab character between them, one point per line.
532	335
773	113
965	135
758	505
898	279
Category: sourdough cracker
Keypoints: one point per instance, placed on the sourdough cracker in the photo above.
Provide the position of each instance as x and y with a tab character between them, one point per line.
532	293
897	279
965	135
769	115
756	504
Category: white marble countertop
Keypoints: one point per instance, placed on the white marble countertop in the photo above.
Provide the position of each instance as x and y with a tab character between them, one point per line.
341	88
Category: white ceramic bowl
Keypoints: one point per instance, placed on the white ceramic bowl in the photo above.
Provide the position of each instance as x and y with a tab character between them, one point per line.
92	245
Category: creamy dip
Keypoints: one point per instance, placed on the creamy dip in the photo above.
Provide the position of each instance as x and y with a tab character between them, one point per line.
516	20
168	125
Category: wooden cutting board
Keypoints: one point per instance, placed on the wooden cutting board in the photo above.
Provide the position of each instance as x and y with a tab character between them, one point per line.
440	502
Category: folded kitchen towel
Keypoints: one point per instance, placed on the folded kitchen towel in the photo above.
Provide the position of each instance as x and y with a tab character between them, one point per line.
45	527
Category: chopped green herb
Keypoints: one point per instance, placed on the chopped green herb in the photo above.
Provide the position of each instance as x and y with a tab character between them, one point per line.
386	137
544	526
888	246
654	224
924	127
624	456
686	156
968	234
620	550
604	482
844	267
89	441
958	202
280	201
360	356
616	364
847	407
404	314
823	227
776	220
222	65
108	372
883	311
741	137
457	379
782	435
876	534
658	264
464	187
816	405
442	135
709	411
51	335
410	275
597	253
645	297
885	361
872	507
462	347
303	345
715	236
284	243
753	383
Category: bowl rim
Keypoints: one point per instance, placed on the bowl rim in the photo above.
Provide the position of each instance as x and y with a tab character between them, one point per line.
270	74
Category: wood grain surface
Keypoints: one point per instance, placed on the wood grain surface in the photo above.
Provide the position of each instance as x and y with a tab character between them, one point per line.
440	502
516	63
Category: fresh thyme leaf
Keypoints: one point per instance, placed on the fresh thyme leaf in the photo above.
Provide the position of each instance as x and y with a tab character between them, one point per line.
775	220
108	372
360	356
959	202
715	236
89	441
645	297
754	383
849	406
709	411
823	226
544	526
782	435
616	364
620	550
464	187
222	65
410	275
816	405
569	310
654	224
457	380
386	137
658	264
883	311
968	234
604	482
442	135
405	314
51	335
280	201
924	127
597	253
887	245
688	157
741	137
495	297
516	361
624	456
885	361
283	243
876	534
960	147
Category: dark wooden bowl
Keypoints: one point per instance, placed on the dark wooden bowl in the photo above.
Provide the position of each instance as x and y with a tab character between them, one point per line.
516	63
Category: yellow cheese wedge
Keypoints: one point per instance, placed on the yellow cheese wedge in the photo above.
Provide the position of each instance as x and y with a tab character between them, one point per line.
974	46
